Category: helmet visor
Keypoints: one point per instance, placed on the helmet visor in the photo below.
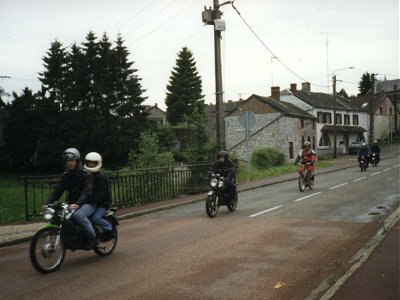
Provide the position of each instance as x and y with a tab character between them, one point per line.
91	163
68	156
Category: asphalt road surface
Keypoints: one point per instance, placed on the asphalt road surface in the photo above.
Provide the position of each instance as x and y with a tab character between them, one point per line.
278	244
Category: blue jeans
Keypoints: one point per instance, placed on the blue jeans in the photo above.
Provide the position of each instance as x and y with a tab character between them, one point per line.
82	215
97	218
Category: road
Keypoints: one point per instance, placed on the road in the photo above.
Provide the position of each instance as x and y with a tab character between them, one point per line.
279	244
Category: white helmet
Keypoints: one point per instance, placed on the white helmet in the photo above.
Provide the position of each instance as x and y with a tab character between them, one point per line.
93	162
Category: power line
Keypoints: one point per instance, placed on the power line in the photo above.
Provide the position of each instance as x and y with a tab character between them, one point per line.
270	51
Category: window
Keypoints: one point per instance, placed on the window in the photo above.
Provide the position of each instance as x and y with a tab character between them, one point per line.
339	119
320	117
291	150
355	119
327	118
380	110
324	140
346	119
302	122
390	111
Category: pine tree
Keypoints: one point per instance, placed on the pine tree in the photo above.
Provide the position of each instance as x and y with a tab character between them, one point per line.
22	122
343	93
54	83
365	84
184	94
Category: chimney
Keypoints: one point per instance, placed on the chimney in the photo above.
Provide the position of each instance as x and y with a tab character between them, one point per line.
305	87
275	92
293	87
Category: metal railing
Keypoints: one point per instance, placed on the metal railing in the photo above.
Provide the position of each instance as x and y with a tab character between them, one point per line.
128	188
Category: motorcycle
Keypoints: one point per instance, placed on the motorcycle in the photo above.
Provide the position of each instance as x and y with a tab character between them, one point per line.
363	163
374	159
219	195
49	244
304	178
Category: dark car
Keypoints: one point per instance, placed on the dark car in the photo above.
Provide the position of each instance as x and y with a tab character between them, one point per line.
354	147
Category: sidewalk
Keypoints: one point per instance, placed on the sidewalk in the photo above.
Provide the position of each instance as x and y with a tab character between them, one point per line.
374	276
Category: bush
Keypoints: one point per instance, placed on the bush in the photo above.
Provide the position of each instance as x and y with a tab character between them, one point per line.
264	158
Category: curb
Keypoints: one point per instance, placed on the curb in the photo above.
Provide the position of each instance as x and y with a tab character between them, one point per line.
369	248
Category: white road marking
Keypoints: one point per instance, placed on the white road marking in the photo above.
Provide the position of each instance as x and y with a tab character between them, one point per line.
396	166
335	187
265	211
386	170
375	174
358	179
312	195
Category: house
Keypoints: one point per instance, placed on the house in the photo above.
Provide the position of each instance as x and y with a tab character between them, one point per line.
279	125
351	123
210	110
381	107
156	115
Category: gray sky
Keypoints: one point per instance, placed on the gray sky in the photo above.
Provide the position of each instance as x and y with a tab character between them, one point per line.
361	33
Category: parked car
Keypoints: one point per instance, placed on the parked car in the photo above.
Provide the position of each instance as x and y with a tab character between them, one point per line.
354	147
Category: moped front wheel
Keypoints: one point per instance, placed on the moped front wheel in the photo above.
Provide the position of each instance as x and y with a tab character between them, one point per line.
212	205
302	183
47	251
233	202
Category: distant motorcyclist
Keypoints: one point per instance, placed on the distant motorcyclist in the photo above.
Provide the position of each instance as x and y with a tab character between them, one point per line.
79	186
377	150
226	168
363	151
308	158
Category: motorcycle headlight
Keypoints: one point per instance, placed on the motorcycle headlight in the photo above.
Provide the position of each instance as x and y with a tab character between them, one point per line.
214	182
48	214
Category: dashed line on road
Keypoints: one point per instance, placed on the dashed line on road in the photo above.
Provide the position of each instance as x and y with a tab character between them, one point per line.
335	187
386	170
375	174
265	211
361	178
396	166
312	195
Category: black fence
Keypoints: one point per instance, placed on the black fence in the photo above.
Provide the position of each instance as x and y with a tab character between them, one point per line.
128	188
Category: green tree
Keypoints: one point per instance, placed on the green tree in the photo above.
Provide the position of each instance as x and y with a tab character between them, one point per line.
343	93
149	154
54	83
20	132
365	84
184	96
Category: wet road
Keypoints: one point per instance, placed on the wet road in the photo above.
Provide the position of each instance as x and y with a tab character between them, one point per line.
279	244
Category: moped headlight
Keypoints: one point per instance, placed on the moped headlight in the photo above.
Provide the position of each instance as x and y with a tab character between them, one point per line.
48	214
214	182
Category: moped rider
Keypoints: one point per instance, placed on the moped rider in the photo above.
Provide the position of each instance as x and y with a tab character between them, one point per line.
79	186
377	150
101	193
363	151
226	168
308	158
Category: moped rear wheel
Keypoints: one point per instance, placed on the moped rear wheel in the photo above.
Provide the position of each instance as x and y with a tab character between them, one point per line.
47	251
105	248
302	183
212	205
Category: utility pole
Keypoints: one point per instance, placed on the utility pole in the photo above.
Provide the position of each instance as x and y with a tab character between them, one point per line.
334	114
371	110
213	17
395	110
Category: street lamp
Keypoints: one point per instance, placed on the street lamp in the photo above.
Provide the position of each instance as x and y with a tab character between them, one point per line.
334	107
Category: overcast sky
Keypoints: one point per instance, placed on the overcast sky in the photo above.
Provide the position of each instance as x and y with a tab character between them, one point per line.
360	33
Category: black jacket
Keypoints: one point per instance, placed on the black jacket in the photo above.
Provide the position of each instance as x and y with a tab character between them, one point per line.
101	190
226	169
79	185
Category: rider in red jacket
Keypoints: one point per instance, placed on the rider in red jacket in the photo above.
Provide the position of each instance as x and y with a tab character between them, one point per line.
308	158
